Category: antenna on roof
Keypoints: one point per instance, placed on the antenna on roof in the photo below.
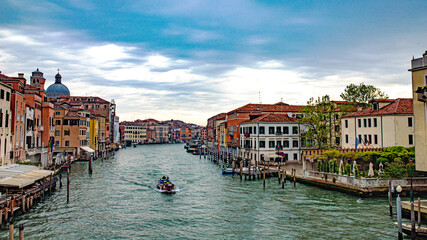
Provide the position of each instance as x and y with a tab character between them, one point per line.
259	97
281	99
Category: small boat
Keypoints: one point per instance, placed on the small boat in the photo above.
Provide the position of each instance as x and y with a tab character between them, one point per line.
166	186
228	171
420	231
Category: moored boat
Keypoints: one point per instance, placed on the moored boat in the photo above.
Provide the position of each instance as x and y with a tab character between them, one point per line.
228	171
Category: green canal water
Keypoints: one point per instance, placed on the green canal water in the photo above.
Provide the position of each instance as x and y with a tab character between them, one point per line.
118	201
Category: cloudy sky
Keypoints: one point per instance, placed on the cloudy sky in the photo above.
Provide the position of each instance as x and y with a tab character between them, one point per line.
191	59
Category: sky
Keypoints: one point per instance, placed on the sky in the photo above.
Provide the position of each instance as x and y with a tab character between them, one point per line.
190	60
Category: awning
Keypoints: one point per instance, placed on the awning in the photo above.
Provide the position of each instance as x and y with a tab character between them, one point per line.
88	149
25	179
273	155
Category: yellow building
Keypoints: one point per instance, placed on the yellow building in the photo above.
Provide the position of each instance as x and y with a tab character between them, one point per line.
135	134
94	125
102	136
222	140
419	91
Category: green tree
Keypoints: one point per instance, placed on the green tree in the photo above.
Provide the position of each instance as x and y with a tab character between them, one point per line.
362	94
316	116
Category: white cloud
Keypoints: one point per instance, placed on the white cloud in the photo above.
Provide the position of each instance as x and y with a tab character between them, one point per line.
160	86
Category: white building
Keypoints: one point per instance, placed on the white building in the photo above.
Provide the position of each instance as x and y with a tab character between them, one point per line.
389	122
116	132
5	121
271	136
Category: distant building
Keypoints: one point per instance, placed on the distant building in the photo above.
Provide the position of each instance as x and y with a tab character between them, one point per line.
389	122
57	89
419	91
134	133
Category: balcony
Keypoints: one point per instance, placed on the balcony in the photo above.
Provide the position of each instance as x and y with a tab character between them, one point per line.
36	150
422	94
231	133
279	133
41	128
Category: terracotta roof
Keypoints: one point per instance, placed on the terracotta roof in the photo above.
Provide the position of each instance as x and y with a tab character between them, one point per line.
95	113
279	107
382	100
4	77
272	117
218	116
398	107
72	114
85	99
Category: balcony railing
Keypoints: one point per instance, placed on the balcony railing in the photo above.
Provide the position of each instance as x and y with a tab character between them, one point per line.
36	150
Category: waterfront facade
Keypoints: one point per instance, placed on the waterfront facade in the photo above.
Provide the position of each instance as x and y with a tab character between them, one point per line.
419	91
72	128
271	137
5	123
158	133
386	123
135	133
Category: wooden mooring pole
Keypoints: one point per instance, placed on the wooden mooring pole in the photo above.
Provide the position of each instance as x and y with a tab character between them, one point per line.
90	164
21	231
419	212
68	184
249	169
278	173
413	234
60	180
390	198
11	228
263	176
50	184
283	178
295	180
241	166
44	184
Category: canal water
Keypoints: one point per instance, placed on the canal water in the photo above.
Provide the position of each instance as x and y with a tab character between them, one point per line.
118	201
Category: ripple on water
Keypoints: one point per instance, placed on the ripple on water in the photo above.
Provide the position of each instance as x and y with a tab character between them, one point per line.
118	201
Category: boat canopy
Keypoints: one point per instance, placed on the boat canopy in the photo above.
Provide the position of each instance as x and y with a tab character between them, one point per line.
88	149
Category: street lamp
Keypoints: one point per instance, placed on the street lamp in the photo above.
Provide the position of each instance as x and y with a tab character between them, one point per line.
399	212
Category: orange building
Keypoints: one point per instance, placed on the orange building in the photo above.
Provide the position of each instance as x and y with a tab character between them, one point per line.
71	131
95	104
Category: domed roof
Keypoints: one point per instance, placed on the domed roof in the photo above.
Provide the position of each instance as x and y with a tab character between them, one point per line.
57	90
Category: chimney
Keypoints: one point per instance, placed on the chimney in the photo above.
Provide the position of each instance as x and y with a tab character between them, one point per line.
21	75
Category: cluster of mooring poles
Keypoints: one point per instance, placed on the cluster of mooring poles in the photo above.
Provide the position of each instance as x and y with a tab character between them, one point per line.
23	202
245	167
411	230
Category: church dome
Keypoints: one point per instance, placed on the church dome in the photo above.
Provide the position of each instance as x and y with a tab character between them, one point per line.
57	89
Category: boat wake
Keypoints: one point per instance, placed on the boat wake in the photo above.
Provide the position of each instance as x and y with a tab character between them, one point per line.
165	191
